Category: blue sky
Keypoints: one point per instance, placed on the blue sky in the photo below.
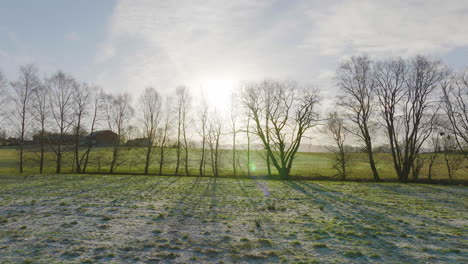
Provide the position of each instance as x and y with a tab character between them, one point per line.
127	45
53	34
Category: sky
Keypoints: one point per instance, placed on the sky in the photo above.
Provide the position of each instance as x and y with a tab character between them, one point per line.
212	46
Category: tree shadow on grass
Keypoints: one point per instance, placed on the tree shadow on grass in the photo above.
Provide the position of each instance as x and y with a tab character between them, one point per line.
413	231
345	208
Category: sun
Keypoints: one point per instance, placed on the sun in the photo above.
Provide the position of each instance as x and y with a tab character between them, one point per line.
217	92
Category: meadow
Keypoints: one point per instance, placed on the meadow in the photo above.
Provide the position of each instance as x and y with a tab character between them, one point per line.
157	219
306	165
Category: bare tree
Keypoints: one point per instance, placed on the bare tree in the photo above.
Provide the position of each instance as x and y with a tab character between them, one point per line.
164	132
234	131
203	132
268	106
453	159
435	147
182	107
214	136
455	101
292	114
408	105
248	135
354	78
61	87
81	103
150	108
118	112
3	97
41	114
96	112
336	128
21	96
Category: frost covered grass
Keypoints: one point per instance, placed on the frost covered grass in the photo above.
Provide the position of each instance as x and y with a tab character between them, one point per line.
149	219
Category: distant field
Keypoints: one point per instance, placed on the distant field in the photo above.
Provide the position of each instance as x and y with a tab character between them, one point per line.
305	165
154	219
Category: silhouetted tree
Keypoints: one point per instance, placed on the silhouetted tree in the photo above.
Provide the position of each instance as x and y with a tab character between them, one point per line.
164	132
21	99
150	108
354	78
408	105
183	101
455	101
453	159
81	106
336	129
215	127
118	112
291	115
234	131
41	114
435	149
97	108
61	87
203	133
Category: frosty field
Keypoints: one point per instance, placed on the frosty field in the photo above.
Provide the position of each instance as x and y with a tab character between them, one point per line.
153	219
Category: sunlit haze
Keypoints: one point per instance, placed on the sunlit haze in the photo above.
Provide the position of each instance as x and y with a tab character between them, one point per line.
213	45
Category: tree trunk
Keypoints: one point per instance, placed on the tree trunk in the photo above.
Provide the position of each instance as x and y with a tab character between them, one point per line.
178	152
370	154
202	161
431	164
41	158
148	157
21	159
58	166
77	150
268	165
114	159
186	158
161	159
234	155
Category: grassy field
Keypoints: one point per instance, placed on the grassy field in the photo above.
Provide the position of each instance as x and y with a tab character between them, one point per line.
154	219
305	165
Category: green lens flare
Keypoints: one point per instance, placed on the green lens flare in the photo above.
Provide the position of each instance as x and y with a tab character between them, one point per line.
253	167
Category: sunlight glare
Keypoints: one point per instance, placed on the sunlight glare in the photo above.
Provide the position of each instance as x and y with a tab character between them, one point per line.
217	92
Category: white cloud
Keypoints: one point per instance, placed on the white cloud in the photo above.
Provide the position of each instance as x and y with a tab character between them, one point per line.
166	43
389	27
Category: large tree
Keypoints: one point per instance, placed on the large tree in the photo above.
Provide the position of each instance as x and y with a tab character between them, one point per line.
291	114
21	98
354	77
407	93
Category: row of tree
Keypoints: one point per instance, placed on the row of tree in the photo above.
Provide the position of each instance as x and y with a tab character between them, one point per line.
415	101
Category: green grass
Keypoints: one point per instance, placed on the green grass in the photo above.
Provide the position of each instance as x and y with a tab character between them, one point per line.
305	164
123	219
